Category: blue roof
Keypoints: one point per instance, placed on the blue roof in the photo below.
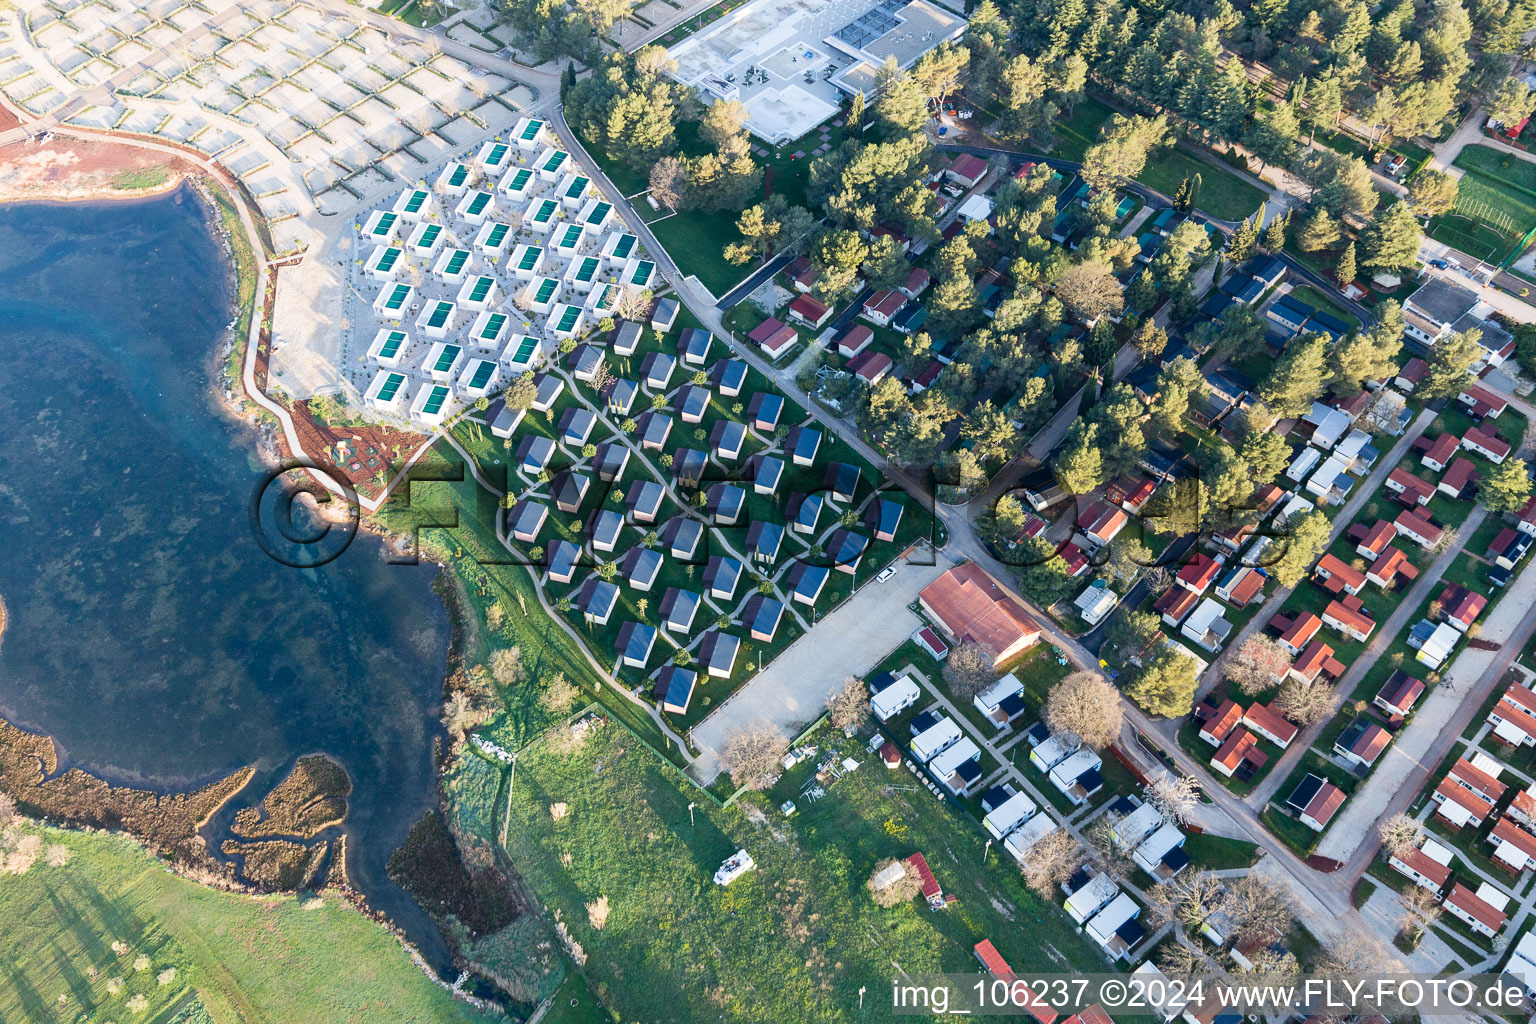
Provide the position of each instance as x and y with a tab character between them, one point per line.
766	408
641	638
729	374
680	687
806	442
765	538
768	613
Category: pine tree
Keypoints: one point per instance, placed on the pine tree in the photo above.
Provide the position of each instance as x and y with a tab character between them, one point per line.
1297	378
856	111
1274	234
1240	245
1392	240
1507	488
1346	269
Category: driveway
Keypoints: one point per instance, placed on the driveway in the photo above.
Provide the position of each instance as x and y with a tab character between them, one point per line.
794	689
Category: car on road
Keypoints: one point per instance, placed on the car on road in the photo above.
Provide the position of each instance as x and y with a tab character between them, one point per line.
886	574
1440	264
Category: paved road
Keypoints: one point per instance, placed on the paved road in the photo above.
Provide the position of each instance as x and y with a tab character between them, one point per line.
794	689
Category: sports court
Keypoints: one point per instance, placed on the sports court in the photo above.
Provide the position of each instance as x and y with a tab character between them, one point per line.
790	62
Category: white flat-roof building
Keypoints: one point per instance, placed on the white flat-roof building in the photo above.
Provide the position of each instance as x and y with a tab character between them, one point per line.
451	266
529	134
804	55
478	378
929	743
1019	842
520	352
897	696
489	330
565	321
443	361
454	180
384	262
516	184
479	293
494	238
1091	897
413	204
394	301
436	319
476	207
431	404
388	347
1009	815
382	227
387	392
493	156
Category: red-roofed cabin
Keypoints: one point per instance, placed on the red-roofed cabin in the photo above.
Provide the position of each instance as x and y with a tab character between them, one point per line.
1482	403
1438	455
1221	722
1198	574
932	892
1410	490
994	964
810	311
1131	493
1385	571
1490	446
881	306
1418	529
1175	604
1317	660
1270	724
1300	632
1460	606
1458	477
1338	576
1239	753
773	336
967	169
1398	694
1376	539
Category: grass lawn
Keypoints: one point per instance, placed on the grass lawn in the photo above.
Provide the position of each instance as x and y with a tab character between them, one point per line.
1316	299
1220	853
1222	194
247	958
676	947
1494	208
1496	163
1076	133
1362	892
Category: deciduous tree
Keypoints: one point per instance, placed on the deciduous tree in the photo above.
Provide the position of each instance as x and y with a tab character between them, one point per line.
753	755
970	668
1086	705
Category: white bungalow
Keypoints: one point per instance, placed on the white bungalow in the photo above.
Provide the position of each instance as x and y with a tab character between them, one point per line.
572	191
529	133
476	207
582	273
520	352
443	361
525	261
387	391
493	156
494	238
516	184
565	321
388	347
382	227
638	273
1021	840
413	204
551	164
541	216
490	330
452	265
1009	815
454	181
383	263
595	215
566	239
542	293
478	378
618	247
436	319
431	404
394	301
479	293
427	240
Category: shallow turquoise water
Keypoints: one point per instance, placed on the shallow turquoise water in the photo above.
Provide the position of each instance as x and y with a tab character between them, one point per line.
148	632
